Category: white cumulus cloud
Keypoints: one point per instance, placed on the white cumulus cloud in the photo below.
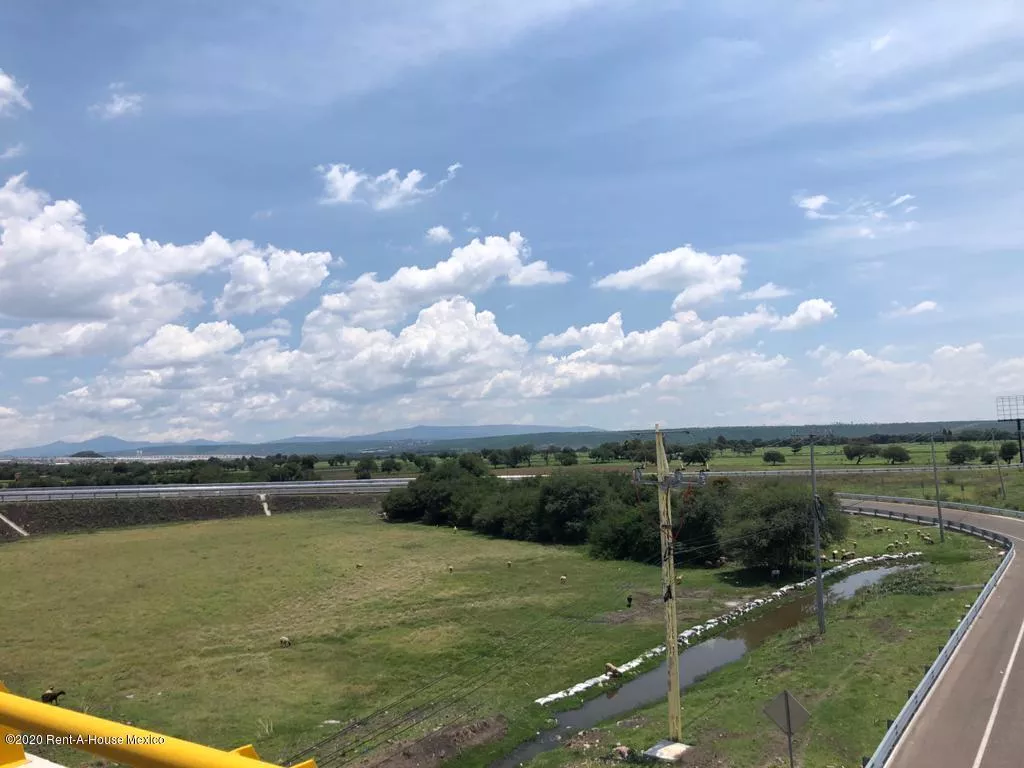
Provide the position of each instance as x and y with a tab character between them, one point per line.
812	206
176	344
268	280
472	268
701	277
11	94
345	185
439	234
85	295
277	327
920	308
810	312
766	292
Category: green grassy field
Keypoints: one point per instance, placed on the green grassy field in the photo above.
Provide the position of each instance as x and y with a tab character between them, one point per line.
826	457
175	628
851	681
964	486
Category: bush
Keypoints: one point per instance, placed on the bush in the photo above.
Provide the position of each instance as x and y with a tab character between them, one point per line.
896	454
961	453
565	507
702	511
1008	451
770	525
624	532
402	505
568	458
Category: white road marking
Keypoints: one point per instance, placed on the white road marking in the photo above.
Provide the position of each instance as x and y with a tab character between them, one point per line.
902	742
999	700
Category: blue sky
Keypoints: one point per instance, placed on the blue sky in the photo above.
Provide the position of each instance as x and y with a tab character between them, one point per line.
689	212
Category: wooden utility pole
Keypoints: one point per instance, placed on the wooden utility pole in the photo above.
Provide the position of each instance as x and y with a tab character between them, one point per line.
817	512
668	570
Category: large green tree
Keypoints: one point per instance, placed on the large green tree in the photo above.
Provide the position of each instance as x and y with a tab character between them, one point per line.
1008	451
770	525
896	454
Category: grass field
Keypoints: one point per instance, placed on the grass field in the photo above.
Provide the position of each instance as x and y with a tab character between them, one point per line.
851	681
176	627
826	457
966	487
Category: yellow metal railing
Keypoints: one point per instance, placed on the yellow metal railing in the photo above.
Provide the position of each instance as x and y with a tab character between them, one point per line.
115	741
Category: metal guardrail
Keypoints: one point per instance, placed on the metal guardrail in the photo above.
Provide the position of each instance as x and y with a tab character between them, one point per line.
120	743
312	487
906	716
999	511
198	491
187	490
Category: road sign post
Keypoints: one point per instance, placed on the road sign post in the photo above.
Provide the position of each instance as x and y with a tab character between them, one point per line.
789	715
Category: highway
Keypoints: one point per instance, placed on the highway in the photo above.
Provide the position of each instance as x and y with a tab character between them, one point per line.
972	716
376	485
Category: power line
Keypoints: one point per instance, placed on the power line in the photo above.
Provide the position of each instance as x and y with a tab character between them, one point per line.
396	720
403	724
404	718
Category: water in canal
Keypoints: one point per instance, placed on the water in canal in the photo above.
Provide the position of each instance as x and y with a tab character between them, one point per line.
694	663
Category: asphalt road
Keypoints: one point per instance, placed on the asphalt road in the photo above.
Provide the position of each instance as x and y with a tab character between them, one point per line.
973	715
376	485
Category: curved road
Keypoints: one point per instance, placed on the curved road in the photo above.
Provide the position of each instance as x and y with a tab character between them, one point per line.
972	717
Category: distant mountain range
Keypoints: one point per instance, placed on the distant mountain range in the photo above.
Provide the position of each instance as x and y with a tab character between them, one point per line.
108	445
432	439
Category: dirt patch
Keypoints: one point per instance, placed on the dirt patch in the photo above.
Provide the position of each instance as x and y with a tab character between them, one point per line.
587	741
888	629
646	607
440	746
702	757
804	643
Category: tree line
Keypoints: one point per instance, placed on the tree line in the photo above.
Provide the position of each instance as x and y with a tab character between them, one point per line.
758	524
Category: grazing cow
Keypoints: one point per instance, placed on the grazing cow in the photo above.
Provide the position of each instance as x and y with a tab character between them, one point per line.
450	569
563	579
629	601
776	573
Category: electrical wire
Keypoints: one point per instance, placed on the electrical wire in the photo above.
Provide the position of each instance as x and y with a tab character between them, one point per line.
481	678
403	724
391	705
402	718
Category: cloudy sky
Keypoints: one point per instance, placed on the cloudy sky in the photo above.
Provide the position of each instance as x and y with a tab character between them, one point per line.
338	217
